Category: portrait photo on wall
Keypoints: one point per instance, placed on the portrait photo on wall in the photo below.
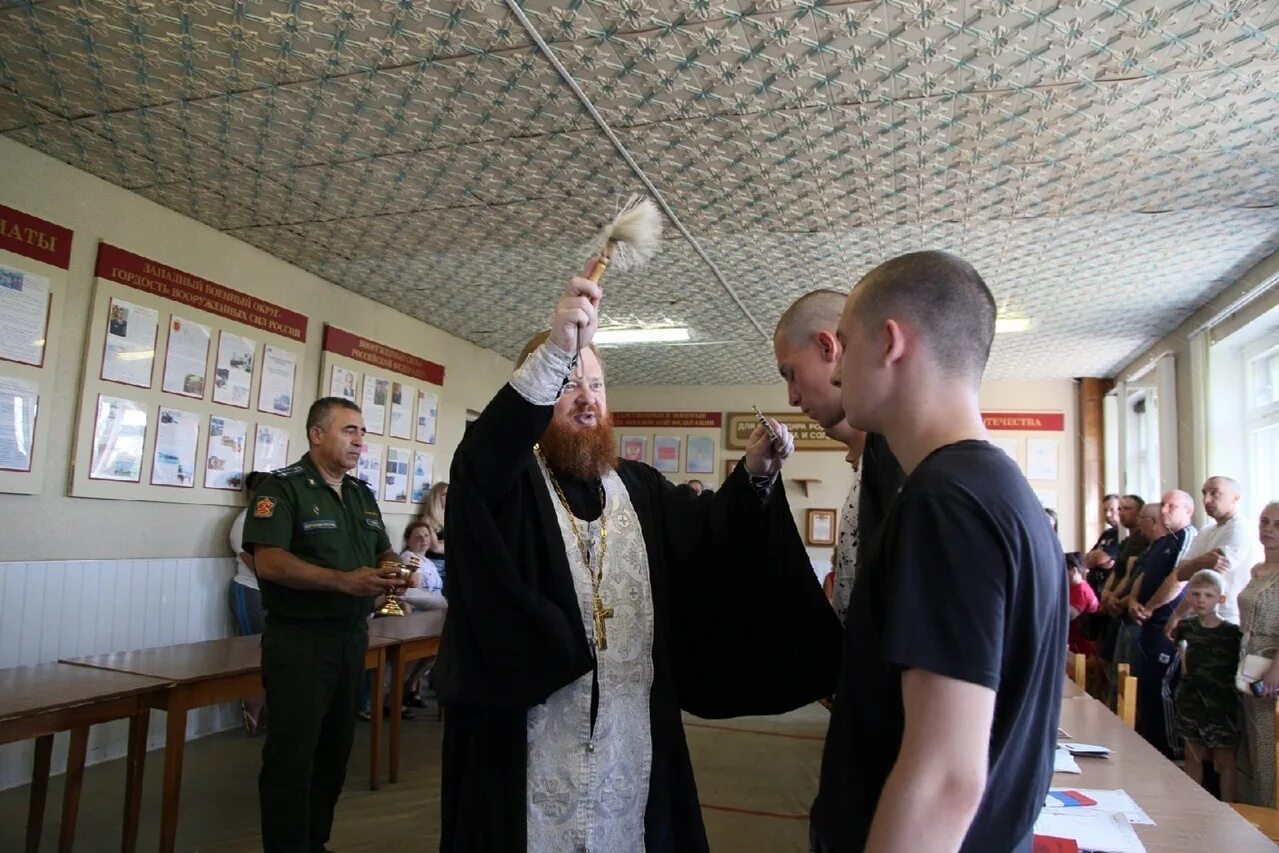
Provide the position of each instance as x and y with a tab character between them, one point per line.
820	529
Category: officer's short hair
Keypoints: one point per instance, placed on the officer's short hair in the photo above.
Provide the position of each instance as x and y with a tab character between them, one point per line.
321	411
943	297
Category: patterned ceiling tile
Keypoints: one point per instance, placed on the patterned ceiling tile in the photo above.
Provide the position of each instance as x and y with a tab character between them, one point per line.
1086	157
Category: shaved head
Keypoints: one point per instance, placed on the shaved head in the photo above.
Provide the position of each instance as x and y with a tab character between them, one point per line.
1176	508
810	314
807	352
1221	497
942	298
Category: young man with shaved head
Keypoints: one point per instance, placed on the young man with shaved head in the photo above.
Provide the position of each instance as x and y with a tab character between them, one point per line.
944	725
1153	652
807	353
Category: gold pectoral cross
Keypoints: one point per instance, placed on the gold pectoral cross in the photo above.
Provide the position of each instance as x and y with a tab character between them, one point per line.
601	613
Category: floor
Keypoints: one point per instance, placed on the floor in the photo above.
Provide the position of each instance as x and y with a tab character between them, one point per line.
756	776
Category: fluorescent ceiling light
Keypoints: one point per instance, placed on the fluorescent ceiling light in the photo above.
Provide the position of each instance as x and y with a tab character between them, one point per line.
608	337
1004	325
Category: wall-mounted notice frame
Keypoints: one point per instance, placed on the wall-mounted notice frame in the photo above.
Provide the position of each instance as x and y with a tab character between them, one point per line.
701	431
215	389
1028	437
34	257
399	394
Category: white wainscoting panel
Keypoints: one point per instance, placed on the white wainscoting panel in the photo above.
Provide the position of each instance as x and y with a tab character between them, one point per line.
59	609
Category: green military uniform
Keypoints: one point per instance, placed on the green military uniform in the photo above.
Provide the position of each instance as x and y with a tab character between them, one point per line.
1206	700
312	649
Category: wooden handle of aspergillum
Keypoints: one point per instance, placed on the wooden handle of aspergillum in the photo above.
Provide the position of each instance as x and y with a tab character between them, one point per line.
600	264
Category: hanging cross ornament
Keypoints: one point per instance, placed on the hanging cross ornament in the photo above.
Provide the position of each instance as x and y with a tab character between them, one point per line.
601	613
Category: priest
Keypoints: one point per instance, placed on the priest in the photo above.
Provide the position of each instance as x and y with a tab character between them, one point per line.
591	600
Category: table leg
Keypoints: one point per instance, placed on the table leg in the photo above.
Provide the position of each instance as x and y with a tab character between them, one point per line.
74	784
39	791
175	737
397	702
375	724
134	765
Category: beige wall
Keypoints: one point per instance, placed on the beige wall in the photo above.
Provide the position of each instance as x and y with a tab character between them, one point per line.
829	467
54	526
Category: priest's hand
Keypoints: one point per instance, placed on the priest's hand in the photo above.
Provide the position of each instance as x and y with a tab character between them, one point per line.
576	315
763	454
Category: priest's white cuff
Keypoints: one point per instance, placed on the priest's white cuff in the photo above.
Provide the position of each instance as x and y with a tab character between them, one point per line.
540	379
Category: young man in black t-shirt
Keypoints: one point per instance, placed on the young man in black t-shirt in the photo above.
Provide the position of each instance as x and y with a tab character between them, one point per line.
946	710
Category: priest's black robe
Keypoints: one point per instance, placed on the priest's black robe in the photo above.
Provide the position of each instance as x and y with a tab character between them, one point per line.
740	623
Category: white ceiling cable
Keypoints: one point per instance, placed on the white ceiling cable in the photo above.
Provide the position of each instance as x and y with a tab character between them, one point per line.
630	161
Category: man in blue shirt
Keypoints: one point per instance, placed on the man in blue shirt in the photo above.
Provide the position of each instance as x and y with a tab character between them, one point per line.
1155	715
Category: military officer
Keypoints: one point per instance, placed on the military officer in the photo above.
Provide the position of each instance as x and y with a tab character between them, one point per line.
317	536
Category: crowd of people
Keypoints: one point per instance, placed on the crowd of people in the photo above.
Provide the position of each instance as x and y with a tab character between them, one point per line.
1195	615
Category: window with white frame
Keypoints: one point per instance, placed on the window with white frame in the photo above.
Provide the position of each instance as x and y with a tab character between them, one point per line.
1261	376
1142	440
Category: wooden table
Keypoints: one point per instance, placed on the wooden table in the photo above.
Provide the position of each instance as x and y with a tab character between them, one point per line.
1188	817
39	701
205	674
417	637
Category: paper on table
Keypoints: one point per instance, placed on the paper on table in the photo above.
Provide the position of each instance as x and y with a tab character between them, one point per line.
1104	832
1064	762
1108	801
1086	749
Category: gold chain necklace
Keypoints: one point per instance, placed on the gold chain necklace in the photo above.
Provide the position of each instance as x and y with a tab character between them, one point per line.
597	576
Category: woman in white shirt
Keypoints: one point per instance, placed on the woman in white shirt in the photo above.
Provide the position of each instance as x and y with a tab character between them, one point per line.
426	592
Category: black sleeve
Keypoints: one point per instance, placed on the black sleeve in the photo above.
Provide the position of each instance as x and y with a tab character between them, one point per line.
948	581
741	578
495	447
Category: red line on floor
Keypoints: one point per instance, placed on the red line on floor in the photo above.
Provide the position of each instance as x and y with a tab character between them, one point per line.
754	812
752	731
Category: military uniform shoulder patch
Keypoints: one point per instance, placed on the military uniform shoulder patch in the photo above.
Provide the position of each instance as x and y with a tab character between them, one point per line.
264	508
290	471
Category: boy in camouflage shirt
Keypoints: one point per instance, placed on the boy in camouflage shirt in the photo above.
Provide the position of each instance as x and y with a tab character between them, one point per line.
1206	701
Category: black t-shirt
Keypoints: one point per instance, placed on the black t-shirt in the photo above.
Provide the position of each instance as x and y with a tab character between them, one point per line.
1108	542
964	580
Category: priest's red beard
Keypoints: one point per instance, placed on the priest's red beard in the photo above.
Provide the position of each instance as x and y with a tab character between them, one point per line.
584	453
